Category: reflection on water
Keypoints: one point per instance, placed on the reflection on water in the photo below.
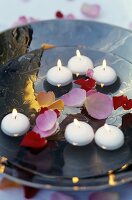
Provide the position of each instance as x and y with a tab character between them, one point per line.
91	161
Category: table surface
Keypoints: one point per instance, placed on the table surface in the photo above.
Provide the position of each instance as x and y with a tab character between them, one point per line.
17	12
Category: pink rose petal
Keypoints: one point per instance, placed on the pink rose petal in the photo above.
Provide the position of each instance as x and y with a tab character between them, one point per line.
99	106
90	73
47	120
104	196
91	10
22	20
60	196
93	91
48	133
70	16
75	97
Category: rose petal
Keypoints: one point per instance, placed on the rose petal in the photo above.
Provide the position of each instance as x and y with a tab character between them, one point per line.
90	73
42	111
22	20
60	196
70	16
59	14
59	105
80	81
33	140
5	183
48	133
45	99
119	101
99	106
93	91
46	46
104	196
30	192
91	10
75	97
128	105
87	84
47	120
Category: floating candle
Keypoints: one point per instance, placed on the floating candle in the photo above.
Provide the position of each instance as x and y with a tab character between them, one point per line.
79	133
80	64
15	124
59	75
109	137
104	75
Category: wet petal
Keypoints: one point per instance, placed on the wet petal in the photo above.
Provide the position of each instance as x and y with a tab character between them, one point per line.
47	120
33	140
6	184
59	105
70	16
45	99
91	10
60	196
104	196
75	97
59	15
93	91
119	101
89	73
99	106
48	133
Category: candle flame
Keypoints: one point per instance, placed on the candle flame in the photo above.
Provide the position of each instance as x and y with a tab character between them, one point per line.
58	85
107	127
104	64
78	54
59	64
76	122
102	85
75	179
77	74
14	113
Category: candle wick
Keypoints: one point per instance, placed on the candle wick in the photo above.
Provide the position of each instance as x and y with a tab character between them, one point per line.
15	116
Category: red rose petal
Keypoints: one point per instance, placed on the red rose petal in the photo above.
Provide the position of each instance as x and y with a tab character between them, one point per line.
80	81
33	140
43	110
57	112
128	105
87	84
59	14
30	192
119	101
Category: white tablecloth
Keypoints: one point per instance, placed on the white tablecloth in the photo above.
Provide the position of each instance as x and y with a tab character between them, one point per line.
117	12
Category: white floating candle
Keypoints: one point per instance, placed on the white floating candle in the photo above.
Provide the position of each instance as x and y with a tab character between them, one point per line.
80	64
59	75
109	137
79	133
104	75
15	124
